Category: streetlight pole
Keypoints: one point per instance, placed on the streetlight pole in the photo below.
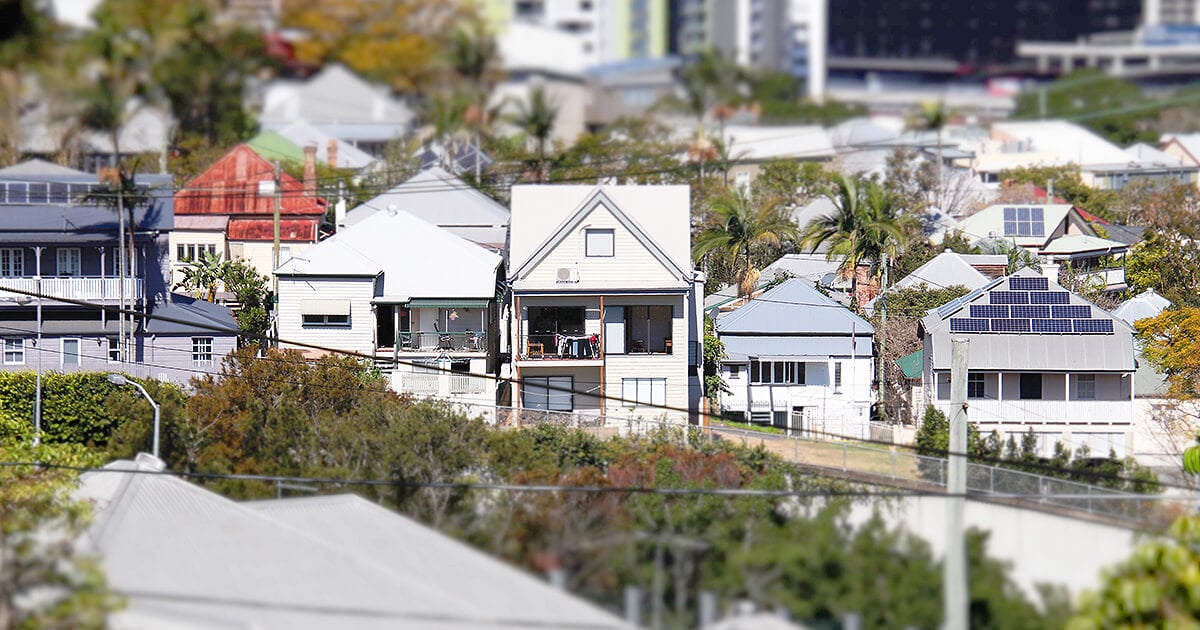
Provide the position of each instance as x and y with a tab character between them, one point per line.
119	379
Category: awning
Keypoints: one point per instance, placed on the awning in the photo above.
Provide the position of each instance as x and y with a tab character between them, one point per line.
324	307
912	364
449	303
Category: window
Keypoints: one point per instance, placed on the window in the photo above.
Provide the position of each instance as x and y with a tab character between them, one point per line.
553	393
1085	387
648	329
114	350
185	252
643	391
734	370
777	372
68	261
326	320
12	261
975	387
70	352
1031	386
599	242
547	323
837	376
202	350
14	351
1024	221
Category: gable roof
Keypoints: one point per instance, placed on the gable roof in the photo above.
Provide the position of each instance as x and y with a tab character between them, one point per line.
1026	322
230	186
760	143
417	259
182	553
1069	141
794	307
69	219
303	134
338	102
1081	243
185	315
660	206
989	222
947	269
273	146
1189	143
1150	156
446	201
41	168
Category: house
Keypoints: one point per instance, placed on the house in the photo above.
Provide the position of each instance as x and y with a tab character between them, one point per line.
629	88
1094	260
1183	147
1102	165
749	147
229	210
57	241
287	143
798	360
181	556
816	268
44	132
1028	226
1041	359
949	269
339	104
417	299
523	50
446	201
605	304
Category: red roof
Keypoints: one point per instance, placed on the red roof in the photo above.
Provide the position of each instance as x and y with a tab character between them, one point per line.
263	229
230	187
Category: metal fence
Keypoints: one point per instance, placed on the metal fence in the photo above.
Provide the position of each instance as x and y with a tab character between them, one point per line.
893	463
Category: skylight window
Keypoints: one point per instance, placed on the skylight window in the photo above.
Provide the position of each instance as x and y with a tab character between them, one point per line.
1024	221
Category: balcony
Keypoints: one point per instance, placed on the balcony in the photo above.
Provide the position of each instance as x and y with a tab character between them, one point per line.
448	385
85	288
434	341
560	347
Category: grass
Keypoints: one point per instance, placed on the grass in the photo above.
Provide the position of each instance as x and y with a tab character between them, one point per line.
870	458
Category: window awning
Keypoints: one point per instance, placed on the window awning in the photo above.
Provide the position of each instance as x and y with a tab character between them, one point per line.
324	307
449	303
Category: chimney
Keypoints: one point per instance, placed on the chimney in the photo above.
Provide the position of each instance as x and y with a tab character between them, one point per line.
310	171
1050	271
331	154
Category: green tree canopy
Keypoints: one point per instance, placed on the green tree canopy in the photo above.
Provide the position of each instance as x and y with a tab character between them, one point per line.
737	225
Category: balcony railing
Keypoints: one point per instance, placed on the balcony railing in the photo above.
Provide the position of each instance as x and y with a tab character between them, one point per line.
560	346
443	384
429	340
1047	411
1109	277
76	288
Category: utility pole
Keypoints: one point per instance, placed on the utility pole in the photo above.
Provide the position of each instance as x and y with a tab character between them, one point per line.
275	252
954	574
883	260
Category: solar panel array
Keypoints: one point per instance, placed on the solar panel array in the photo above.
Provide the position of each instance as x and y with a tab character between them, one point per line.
1027	305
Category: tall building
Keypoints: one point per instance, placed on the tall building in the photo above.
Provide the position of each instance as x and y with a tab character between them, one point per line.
1172	12
607	30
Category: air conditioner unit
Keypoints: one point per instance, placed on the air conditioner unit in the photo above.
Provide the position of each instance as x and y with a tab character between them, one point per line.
568	274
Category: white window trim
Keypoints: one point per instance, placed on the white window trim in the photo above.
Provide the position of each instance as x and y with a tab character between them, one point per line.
600	253
74	262
655	387
15	262
196	350
976	378
325	321
1080	380
21	350
113	345
62	346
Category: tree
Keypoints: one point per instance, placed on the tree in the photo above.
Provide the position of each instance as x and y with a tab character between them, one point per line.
391	41
866	225
250	290
714	353
44	583
933	116
1156	587
1171	342
1101	102
535	116
737	226
793	182
25	34
204	276
1065	182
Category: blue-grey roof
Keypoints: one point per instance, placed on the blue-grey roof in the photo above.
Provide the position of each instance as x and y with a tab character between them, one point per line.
70	219
185	315
794	307
740	348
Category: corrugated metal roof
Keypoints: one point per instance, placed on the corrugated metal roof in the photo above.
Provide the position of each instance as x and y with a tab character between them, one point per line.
290	230
443	200
87	221
1081	243
947	269
180	552
191	316
797	347
230	186
793	306
1147	304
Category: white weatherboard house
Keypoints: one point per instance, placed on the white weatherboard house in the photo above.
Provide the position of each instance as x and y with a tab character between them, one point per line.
1041	358
417	298
604	301
797	359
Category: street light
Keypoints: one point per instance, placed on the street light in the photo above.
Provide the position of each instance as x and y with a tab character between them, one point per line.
119	379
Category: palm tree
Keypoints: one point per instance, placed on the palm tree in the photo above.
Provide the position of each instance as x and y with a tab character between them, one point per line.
739	225
536	118
865	225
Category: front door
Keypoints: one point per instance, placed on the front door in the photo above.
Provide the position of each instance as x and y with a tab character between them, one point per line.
385	325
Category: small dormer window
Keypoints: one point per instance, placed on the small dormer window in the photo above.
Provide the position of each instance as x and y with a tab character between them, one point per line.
599	242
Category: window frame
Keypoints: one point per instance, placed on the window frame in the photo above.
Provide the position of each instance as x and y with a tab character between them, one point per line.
74	261
655	386
544	383
199	352
1027	377
9	350
777	372
837	376
588	233
976	385
1080	381
12	262
64	356
325	321
114	350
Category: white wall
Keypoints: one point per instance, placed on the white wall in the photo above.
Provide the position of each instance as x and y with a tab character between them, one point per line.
358	337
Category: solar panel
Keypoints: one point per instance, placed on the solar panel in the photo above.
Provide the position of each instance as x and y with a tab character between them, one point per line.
1010	325
1093	325
1008	297
1036	312
1050	297
1071	312
1052	325
962	324
952	305
1028	284
988	311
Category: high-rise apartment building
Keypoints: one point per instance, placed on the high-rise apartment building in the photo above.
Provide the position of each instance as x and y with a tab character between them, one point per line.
606	30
